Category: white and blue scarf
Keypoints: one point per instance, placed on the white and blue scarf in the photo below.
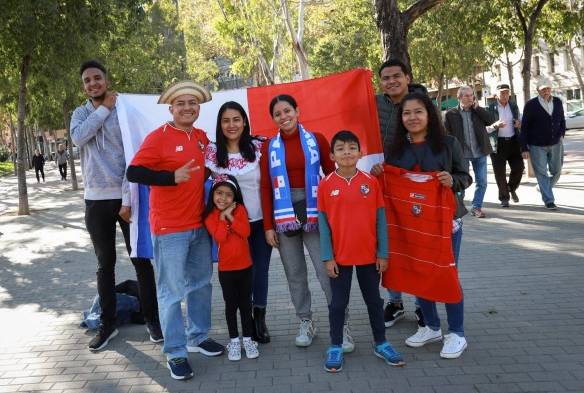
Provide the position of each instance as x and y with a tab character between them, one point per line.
284	216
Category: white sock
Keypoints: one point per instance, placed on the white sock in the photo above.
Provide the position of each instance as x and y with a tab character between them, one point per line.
235	340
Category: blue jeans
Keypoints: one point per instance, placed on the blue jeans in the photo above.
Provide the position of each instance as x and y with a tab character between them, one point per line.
261	253
454	311
183	271
479	167
542	159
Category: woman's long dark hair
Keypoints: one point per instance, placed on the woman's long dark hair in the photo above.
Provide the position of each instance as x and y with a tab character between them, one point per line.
436	131
237	197
246	147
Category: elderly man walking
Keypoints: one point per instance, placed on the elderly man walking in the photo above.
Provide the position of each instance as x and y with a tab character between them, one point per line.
468	123
542	132
506	146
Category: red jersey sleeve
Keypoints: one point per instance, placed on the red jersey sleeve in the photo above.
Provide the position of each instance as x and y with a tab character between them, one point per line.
148	154
218	229
324	149
320	200
378	192
240	224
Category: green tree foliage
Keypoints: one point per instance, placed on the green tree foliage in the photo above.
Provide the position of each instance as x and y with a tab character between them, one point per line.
341	35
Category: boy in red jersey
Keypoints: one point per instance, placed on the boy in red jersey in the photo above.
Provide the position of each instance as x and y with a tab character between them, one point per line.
353	232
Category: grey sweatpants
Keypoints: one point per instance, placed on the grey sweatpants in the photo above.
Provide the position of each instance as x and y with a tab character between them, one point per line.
294	261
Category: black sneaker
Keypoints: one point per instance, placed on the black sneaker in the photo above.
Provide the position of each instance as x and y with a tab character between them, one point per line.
514	196
209	347
551	206
420	317
180	368
393	312
504	203
102	338
155	332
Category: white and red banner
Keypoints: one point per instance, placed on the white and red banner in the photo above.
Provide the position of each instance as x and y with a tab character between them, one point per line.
343	101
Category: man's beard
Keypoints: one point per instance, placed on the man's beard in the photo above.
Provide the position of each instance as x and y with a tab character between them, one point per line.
98	98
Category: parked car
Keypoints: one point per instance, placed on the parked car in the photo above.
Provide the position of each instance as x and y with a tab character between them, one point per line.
575	119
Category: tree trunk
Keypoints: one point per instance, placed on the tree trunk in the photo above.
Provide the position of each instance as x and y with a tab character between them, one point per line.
526	69
297	37
509	72
14	143
528	27
576	67
23	208
394	25
67	120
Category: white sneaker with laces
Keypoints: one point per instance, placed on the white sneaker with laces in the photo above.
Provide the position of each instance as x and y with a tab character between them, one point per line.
423	336
348	343
454	346
306	333
251	348
234	350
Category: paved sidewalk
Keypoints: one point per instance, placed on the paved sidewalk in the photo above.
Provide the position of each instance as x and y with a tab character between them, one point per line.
522	271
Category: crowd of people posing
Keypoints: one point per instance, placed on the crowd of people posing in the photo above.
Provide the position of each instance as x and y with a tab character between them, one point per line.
293	191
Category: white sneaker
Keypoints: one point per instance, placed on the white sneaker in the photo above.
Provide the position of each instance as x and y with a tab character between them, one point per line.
348	343
454	346
234	350
423	336
306	333
251	349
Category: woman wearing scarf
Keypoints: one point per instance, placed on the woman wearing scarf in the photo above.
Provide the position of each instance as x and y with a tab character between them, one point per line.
289	184
237	153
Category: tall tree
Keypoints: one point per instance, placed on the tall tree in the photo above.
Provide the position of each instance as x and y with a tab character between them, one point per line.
297	37
395	24
527	13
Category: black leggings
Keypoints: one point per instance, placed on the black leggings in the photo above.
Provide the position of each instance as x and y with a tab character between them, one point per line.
236	286
42	172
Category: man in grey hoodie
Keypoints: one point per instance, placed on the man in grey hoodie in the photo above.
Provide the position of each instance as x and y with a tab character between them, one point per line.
96	130
61	160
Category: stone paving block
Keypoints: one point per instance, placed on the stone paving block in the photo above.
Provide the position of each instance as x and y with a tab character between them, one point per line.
35	387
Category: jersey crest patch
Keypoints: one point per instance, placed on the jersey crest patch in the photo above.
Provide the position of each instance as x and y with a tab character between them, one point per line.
364	189
416	209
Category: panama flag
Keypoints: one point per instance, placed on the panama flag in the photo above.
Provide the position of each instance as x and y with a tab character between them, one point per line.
343	101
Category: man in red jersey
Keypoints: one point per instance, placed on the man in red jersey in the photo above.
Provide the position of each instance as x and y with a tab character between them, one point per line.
171	161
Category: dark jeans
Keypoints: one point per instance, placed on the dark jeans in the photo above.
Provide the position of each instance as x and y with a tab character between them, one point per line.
63	171
236	286
368	278
454	311
261	253
100	219
42	172
508	151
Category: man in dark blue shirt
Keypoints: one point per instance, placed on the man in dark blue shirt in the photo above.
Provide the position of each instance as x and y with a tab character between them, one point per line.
542	132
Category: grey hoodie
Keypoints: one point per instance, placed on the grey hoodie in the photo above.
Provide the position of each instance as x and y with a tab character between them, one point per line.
61	157
97	133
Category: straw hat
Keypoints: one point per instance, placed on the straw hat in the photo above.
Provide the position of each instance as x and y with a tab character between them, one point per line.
185	87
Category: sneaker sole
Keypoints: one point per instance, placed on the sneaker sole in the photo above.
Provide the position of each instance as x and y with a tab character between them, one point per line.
302	344
421	344
398	364
106	342
332	369
257	355
179	377
234	359
202	351
155	341
455	355
348	349
395	320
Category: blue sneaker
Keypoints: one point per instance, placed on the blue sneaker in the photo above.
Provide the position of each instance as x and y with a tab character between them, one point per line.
387	353
334	359
180	368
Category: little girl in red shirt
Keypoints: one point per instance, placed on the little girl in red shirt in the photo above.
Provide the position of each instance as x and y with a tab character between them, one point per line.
227	222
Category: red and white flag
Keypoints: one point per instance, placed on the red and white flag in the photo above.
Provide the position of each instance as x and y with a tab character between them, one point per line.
343	101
